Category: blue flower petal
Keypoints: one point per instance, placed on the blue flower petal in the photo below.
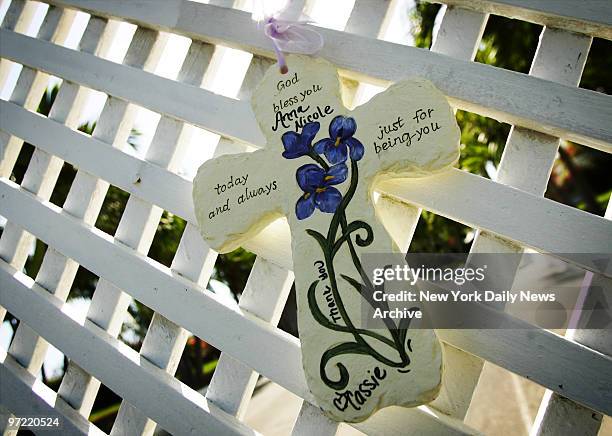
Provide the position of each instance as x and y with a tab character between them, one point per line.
305	206
356	148
322	144
336	154
293	145
309	177
309	131
328	200
336	175
349	126
335	127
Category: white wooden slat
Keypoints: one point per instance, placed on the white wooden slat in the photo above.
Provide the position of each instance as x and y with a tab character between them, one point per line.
527	162
502	209
578	115
554	228
19	16
183	102
85	198
558	414
563	416
593	17
272	352
31	84
43	169
164	341
264	296
136	229
311	421
459	33
269	351
458	36
135	379
24	395
367	17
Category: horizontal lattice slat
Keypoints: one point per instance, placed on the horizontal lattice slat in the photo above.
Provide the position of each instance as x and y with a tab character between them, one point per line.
593	17
580	373
133	378
27	396
268	350
576	114
554	228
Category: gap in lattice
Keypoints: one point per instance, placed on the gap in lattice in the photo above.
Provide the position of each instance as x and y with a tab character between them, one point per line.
77	29
597	75
172	56
198	363
288	320
508	43
121	41
201	146
167	237
112	210
35	257
27	149
105	408
21	165
580	178
91	110
333	15
233	269
136	324
142	133
7	330
63	184
482	143
76	307
437	234
503	402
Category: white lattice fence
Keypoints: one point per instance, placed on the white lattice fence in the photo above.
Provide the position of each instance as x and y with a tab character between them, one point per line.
543	106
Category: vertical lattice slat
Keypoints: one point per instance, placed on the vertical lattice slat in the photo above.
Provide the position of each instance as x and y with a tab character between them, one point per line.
136	229
43	169
529	156
459	35
86	196
264	296
19	16
165	340
557	414
31	84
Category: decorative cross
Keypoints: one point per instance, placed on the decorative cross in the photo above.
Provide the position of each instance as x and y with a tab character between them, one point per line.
319	169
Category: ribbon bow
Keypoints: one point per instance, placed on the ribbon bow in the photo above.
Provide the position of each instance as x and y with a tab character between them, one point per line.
291	36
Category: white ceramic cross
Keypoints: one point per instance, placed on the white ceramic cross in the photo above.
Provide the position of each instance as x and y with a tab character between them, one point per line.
319	168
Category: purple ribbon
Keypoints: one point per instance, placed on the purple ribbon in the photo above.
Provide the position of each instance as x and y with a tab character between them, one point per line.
290	36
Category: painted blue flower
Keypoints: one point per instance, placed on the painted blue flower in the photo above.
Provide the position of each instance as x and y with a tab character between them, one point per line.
298	145
336	147
318	190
